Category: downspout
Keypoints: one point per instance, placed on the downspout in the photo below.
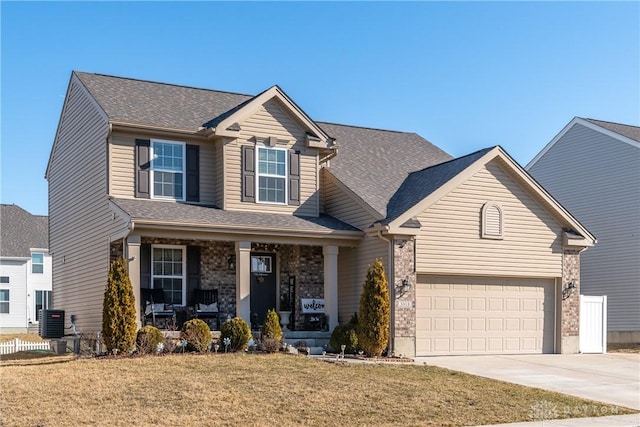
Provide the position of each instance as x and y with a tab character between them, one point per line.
392	292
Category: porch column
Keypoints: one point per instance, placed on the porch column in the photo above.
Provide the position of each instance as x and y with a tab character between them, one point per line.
243	280
132	255
331	284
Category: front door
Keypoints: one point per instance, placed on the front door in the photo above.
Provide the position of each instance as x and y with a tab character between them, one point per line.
263	287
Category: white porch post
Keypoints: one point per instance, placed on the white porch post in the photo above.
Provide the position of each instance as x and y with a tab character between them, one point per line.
132	255
331	284
243	280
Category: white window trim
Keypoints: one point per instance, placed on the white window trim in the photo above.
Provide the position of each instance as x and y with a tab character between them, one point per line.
8	301
34	263
184	269
285	177
153	170
485	209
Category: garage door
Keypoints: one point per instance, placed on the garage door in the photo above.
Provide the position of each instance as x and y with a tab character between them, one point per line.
475	315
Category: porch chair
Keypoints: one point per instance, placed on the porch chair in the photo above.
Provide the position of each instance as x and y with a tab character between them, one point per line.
155	308
206	307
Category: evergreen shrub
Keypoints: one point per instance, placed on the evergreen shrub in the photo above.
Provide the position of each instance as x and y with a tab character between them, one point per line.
118	310
148	339
197	334
238	332
373	327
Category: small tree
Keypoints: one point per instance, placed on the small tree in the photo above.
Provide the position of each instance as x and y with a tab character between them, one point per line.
118	310
271	327
373	326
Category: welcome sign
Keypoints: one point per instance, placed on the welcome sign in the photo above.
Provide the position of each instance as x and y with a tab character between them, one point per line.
312	305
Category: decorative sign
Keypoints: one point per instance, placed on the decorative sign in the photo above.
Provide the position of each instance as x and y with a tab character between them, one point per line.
404	304
312	305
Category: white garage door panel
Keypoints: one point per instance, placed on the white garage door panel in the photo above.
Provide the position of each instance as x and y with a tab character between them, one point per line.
469	315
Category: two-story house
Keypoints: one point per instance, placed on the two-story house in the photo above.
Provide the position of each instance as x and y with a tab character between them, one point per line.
593	168
248	195
25	269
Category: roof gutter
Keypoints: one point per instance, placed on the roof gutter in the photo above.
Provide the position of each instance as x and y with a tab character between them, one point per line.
239	229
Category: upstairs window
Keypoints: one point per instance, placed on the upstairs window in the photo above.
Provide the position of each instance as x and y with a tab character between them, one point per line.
37	263
492	221
4	301
167	169
272	175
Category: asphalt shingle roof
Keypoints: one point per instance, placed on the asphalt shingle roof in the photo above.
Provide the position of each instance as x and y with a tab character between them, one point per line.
420	184
20	231
632	132
183	213
374	163
158	104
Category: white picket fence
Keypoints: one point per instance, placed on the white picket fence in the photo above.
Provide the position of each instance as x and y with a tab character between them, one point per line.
19	345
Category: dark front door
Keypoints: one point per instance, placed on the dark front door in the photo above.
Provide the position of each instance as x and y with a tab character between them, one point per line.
263	287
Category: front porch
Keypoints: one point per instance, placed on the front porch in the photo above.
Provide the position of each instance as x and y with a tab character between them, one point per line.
248	278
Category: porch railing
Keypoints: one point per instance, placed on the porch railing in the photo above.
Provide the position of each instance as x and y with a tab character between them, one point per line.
17	345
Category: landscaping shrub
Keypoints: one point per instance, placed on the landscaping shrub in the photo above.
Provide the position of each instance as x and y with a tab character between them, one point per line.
271	328
238	332
346	334
197	334
118	310
149	337
373	327
270	344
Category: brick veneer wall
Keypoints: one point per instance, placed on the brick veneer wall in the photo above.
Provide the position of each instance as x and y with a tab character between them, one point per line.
405	315
305	263
570	322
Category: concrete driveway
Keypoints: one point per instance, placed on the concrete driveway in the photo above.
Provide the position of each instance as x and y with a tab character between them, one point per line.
612	378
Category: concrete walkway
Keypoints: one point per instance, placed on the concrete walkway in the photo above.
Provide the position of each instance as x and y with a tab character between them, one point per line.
611	378
613	421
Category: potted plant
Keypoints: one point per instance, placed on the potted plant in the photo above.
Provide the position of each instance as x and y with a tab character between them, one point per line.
285	311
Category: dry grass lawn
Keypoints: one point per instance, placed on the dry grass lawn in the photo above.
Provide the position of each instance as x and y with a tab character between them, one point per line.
236	389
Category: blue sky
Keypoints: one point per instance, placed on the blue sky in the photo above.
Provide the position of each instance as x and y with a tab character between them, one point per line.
464	75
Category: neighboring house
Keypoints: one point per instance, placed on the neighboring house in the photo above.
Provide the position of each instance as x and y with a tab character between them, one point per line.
25	269
250	196
593	168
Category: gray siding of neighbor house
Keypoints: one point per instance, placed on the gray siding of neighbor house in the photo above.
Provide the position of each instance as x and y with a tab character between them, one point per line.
597	178
80	221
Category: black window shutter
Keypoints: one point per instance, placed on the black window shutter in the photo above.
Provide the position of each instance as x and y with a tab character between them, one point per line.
143	165
193	173
294	178
248	174
193	272
145	266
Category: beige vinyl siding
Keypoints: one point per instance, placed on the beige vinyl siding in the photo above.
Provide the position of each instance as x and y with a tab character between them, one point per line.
449	241
80	221
339	204
271	120
122	179
122	174
353	264
597	178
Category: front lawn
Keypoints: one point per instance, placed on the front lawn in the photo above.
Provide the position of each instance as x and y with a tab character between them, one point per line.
243	389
